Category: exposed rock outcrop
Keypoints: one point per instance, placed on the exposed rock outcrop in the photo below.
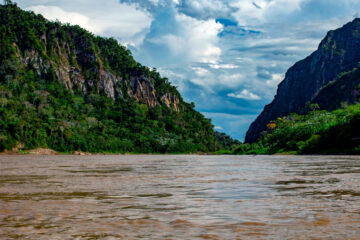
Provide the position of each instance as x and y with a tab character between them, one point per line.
42	151
171	101
142	89
337	53
139	86
110	84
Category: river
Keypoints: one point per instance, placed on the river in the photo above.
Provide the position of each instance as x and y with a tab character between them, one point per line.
179	197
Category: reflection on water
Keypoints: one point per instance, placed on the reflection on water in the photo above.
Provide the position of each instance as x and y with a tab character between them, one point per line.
179	197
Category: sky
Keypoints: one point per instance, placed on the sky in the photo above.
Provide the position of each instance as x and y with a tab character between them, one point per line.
226	56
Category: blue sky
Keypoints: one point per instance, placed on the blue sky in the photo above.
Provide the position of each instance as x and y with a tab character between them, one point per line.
227	56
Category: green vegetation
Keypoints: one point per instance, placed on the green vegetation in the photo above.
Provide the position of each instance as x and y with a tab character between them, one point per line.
317	132
225	144
48	115
39	109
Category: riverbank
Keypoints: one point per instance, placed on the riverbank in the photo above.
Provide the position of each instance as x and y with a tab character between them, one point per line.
47	151
41	151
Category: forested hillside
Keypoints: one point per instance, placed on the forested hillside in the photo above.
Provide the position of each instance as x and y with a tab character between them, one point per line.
316	132
61	87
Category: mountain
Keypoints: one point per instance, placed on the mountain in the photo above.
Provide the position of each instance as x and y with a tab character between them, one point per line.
328	77
63	88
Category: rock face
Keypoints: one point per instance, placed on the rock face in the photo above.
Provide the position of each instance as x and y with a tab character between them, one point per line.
139	86
316	78
142	89
77	64
171	100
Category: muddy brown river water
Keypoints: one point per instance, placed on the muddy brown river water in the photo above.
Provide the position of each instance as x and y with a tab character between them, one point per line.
179	197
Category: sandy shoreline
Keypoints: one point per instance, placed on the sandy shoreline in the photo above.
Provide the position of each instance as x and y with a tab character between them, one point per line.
41	151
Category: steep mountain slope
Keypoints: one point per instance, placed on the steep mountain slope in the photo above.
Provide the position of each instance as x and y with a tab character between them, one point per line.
344	90
319	78
64	88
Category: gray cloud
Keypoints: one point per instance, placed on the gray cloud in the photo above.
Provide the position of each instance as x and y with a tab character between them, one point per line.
206	9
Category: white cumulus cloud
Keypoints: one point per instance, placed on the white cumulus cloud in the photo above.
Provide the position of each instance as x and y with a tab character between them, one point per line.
245	94
56	13
252	12
194	41
109	18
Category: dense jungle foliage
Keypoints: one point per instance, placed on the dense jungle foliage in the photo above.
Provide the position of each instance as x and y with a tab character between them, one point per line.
317	132
36	110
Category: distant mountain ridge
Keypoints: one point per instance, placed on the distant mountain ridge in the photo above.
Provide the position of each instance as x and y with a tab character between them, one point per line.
328	77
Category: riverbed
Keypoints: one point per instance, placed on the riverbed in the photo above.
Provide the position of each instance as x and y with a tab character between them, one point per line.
179	197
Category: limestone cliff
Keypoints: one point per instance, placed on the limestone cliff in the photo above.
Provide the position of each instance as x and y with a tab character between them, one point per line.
138	86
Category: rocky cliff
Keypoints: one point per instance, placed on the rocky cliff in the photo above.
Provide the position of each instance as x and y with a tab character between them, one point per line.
321	78
79	65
